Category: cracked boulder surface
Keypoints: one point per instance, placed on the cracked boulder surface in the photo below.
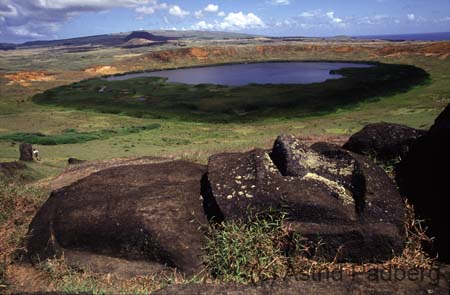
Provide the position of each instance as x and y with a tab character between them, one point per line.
384	141
129	220
330	195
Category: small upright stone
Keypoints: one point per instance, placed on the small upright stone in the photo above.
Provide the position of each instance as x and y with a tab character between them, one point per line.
26	152
74	161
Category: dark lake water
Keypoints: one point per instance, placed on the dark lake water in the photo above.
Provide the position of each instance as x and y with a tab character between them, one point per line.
243	74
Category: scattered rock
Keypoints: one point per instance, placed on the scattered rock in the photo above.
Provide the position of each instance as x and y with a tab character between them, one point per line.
384	141
146	217
75	161
26	152
330	195
422	179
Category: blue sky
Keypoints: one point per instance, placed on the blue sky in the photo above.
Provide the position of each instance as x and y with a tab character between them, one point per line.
23	20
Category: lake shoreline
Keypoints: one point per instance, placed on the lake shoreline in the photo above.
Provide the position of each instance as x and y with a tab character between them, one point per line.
374	63
236	75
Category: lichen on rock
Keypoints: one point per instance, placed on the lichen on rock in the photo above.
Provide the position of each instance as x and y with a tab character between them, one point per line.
342	193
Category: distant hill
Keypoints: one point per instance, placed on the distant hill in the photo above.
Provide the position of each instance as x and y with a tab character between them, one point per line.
7	46
123	39
106	40
146	36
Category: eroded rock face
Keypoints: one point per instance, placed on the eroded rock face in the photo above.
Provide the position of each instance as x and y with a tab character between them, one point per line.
423	178
384	141
329	194
124	219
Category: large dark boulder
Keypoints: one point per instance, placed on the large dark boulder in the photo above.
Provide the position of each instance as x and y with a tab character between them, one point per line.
388	282
330	195
384	141
423	178
26	152
130	220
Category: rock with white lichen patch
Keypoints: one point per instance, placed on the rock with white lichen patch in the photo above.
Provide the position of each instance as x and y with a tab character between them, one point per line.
329	195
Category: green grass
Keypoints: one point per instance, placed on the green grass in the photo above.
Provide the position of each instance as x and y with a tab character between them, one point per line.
154	97
71	136
248	251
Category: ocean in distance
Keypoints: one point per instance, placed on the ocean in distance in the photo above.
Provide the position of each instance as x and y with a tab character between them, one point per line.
410	37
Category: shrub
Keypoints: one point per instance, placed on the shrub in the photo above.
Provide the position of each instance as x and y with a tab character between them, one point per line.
71	136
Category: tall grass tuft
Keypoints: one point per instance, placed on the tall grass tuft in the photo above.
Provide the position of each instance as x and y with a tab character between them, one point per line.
248	251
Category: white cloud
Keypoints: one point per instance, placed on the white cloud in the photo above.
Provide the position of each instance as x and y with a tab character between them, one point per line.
443	19
177	11
280	2
317	19
222	14
39	18
86	4
202	25
211	8
25	32
242	21
234	21
8	11
411	17
198	14
334	19
151	8
145	10
307	14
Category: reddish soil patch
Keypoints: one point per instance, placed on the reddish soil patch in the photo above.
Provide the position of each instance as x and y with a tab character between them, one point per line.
103	70
25	78
217	53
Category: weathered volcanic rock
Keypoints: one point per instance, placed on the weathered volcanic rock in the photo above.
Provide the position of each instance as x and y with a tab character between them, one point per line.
371	282
125	219
329	195
26	152
423	178
384	141
74	161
